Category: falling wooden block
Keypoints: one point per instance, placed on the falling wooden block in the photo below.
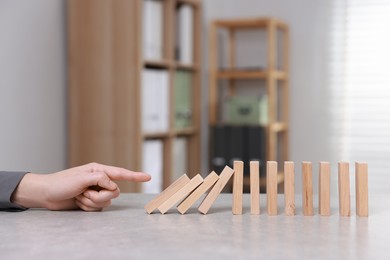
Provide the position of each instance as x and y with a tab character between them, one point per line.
272	188
167	193
208	182
216	190
289	189
238	187
324	189
361	181
344	189
181	194
255	187
307	187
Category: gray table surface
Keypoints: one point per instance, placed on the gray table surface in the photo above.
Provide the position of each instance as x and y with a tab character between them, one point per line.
125	231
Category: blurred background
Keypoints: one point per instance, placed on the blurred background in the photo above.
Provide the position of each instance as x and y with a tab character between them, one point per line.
85	81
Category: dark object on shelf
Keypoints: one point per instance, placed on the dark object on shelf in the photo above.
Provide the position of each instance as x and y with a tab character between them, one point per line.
243	143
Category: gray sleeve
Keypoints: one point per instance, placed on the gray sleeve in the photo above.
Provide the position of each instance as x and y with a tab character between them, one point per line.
8	183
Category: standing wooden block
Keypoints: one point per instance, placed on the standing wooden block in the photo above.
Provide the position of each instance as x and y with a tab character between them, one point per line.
289	189
238	187
208	182
361	181
324	189
344	190
166	194
216	190
307	186
255	187
272	188
181	194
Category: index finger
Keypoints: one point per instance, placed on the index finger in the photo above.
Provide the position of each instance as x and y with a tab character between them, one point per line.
119	174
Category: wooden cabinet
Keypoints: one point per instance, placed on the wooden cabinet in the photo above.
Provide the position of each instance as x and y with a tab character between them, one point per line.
105	66
274	75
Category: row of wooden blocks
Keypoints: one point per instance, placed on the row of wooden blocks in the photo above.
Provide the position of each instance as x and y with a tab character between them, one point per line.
361	181
185	191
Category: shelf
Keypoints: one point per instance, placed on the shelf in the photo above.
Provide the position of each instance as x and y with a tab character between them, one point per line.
178	132
251	23
162	64
182	66
191	2
116	29
156	135
184	131
271	70
275	127
250	74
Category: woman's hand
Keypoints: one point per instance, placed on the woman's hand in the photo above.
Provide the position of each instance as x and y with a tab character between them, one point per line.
89	187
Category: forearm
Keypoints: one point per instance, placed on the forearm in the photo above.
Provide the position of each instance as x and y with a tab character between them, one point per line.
30	192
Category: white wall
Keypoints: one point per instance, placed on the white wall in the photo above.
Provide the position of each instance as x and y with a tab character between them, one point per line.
32	85
309	23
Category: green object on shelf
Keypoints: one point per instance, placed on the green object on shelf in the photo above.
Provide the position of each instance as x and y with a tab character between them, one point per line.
252	110
183	103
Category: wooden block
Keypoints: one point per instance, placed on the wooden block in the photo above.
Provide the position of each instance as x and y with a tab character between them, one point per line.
324	189
166	194
289	189
208	182
361	181
181	194
216	190
272	188
307	187
255	187
238	187
344	190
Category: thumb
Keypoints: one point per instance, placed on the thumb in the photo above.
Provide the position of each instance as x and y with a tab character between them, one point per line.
100	179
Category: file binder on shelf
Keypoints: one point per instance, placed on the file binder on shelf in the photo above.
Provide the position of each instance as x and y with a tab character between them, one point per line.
183	103
185	34
152	163
155	101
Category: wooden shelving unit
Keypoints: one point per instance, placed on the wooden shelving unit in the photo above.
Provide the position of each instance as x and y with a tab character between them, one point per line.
273	75
105	66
